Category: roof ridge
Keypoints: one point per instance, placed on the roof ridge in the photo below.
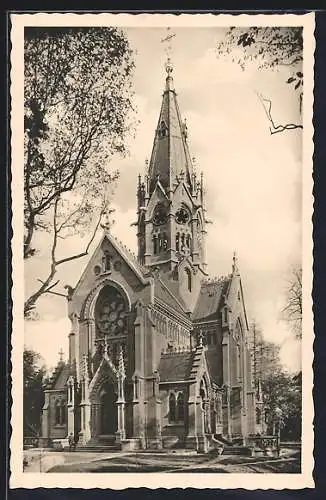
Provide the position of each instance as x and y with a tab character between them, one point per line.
171	294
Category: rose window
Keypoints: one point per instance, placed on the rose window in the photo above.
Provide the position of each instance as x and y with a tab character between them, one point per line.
111	313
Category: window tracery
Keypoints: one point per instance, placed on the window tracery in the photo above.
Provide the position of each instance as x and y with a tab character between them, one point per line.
60	412
111	312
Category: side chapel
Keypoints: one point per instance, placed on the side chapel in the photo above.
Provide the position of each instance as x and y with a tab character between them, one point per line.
158	352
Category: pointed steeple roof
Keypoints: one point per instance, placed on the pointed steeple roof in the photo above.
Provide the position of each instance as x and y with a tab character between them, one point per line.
170	154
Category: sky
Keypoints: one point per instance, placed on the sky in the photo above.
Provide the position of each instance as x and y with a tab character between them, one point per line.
252	178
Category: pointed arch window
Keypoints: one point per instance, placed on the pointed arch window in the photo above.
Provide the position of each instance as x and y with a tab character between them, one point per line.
155	245
172	407
60	412
188	241
106	262
177	242
180	407
189	279
258	416
160	242
57	412
162	132
70	393
164	242
63	413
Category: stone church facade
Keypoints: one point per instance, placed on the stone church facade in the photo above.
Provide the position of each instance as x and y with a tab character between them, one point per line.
158	351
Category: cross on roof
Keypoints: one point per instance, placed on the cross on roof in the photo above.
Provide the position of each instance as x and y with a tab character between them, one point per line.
108	220
168	49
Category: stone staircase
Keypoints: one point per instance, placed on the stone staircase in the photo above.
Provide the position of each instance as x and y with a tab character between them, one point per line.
101	443
236	450
230	447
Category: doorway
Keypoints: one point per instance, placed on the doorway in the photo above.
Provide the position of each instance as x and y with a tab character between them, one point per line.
109	409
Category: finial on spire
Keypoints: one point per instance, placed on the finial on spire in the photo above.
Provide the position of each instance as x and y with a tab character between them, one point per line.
61	353
168	64
235	268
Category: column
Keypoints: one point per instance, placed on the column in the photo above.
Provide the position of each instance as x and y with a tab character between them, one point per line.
227	378
121	431
71	406
91	335
200	425
191	439
95	416
154	438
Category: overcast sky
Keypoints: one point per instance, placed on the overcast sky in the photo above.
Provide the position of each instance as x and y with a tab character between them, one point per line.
253	179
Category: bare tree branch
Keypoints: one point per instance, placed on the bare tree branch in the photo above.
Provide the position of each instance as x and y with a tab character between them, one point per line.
47	286
292	310
275	129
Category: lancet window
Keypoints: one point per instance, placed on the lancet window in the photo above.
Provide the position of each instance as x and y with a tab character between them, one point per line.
60	412
172	408
180	407
189	280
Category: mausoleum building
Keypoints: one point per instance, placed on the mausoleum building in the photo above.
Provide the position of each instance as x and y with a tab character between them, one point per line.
158	351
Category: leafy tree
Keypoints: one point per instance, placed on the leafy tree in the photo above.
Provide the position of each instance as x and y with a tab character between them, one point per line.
281	390
269	48
78	114
33	395
284	391
292	311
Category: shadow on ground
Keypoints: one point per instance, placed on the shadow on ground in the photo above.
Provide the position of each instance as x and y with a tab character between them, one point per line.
183	464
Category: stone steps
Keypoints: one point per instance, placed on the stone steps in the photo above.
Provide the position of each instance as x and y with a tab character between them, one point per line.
236	450
99	448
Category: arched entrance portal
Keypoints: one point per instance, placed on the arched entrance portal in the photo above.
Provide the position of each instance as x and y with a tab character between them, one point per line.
108	409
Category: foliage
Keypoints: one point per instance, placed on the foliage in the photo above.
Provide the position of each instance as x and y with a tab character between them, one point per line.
268	48
292	311
33	396
264	354
280	389
78	109
284	391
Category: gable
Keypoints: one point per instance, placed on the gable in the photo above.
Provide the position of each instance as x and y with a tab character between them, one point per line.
123	267
210	299
235	299
59	377
182	195
158	196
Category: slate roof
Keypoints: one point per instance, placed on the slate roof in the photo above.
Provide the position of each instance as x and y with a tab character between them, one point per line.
175	366
60	376
170	154
169	294
210	299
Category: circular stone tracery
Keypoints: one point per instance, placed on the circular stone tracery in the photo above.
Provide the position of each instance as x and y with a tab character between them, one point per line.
110	312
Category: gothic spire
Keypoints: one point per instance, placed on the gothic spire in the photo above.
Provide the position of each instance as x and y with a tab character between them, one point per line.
170	154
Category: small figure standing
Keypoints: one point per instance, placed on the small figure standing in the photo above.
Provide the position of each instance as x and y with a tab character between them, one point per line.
71	440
